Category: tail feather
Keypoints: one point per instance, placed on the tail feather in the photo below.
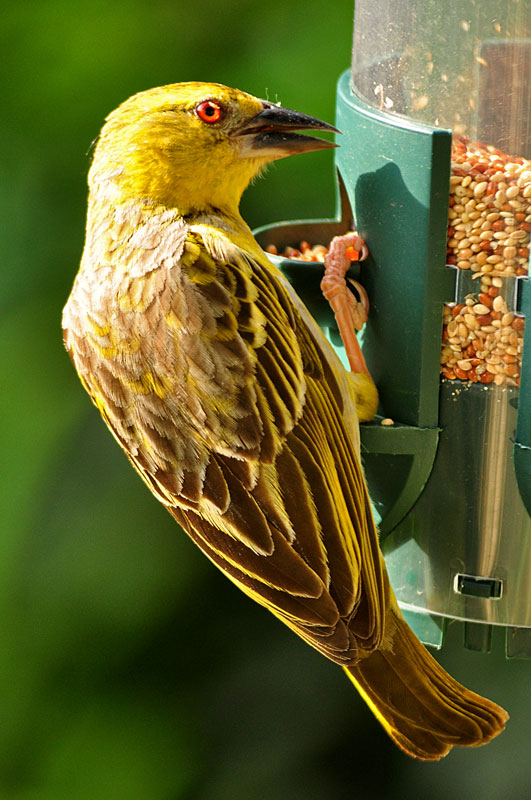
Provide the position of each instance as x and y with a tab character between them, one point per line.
424	710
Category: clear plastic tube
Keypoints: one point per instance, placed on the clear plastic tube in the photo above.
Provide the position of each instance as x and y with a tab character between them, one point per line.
459	64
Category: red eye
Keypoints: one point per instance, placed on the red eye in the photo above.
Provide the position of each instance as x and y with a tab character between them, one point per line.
209	111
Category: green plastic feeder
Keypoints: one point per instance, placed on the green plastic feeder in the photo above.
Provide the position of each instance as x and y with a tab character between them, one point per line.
450	481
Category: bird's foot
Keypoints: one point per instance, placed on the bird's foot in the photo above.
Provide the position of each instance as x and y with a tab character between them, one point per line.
350	313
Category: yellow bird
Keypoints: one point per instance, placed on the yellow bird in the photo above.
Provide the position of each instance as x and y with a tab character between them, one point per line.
230	404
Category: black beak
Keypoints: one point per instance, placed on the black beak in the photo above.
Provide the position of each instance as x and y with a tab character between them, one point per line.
271	133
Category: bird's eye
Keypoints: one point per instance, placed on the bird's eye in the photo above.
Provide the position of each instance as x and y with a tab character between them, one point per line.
209	111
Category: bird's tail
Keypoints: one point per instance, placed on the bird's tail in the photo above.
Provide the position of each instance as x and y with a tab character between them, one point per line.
424	710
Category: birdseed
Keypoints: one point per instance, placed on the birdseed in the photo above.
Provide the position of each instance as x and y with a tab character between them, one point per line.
489	215
482	339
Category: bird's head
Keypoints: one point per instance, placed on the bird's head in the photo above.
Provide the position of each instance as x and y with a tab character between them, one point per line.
194	146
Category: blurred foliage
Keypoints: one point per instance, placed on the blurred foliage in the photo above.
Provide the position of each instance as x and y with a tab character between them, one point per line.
129	668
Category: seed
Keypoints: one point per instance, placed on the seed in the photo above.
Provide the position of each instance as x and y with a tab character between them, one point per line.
472	322
452	329
479	308
485	299
460	373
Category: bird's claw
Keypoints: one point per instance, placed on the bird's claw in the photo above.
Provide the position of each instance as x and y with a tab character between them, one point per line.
350	313
359	308
344	249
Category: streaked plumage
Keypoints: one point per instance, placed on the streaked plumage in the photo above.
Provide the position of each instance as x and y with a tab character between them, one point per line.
231	405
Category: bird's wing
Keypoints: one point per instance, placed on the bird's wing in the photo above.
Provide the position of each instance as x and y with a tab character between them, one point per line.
298	534
228	406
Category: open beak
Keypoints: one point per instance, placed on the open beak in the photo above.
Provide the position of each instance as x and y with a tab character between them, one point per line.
271	133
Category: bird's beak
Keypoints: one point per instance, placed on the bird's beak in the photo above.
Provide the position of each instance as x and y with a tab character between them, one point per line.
270	134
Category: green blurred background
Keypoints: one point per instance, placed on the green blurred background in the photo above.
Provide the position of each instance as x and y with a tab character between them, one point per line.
129	668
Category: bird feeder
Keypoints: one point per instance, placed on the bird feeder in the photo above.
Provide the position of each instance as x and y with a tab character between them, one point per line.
447	224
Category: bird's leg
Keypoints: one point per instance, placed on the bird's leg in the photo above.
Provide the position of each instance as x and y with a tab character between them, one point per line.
350	313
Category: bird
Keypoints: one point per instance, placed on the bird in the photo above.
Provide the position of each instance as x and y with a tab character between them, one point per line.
231	405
